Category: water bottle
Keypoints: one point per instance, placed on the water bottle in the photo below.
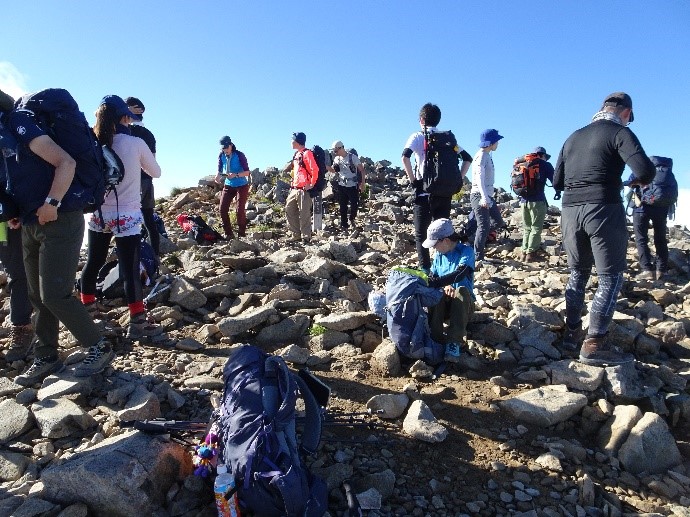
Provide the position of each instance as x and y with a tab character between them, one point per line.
224	484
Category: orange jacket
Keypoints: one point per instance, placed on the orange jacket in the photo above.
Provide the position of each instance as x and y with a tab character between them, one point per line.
305	171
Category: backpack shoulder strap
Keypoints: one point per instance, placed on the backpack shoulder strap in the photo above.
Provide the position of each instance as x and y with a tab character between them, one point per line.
311	436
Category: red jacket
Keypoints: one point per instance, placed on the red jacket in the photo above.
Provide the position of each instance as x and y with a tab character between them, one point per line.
305	171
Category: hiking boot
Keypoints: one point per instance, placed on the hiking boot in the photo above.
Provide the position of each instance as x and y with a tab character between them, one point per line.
39	370
141	328
520	255
646	275
597	351
452	354
21	337
572	338
295	238
99	357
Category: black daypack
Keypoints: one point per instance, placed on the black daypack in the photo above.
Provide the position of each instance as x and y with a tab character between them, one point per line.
321	162
98	168
258	440
441	164
663	190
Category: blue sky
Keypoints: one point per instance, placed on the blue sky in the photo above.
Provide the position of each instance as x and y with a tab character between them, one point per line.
359	71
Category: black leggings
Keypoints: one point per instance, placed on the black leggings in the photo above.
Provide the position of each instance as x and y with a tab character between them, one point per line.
152	230
128	261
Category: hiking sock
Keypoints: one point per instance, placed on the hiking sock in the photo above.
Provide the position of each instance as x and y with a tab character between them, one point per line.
135	308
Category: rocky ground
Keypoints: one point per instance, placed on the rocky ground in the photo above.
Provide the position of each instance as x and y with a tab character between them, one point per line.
516	428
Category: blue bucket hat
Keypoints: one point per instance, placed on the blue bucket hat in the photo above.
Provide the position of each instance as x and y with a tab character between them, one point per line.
489	137
121	108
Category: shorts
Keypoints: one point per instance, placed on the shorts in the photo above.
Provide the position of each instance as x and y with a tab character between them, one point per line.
122	223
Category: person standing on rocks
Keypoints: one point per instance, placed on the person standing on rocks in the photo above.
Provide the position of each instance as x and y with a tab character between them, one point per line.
427	207
305	172
453	269
148	199
120	216
21	333
232	164
657	215
51	240
593	225
534	209
482	193
350	178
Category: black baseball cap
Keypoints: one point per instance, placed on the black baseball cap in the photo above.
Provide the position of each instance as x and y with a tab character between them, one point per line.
620	99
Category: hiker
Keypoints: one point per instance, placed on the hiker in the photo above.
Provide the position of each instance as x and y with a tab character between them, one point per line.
593	223
148	199
350	178
52	236
298	205
452	257
656	211
120	216
482	193
232	164
534	208
427	207
21	333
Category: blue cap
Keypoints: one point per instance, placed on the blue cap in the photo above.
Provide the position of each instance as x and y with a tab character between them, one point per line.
489	137
120	106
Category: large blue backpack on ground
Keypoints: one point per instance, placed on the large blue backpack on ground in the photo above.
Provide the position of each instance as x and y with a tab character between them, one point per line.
663	190
407	293
57	113
258	439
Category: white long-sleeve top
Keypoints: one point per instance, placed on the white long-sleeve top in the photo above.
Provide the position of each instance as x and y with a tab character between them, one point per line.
135	156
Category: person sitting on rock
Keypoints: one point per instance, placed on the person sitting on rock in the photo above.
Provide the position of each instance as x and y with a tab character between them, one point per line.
452	268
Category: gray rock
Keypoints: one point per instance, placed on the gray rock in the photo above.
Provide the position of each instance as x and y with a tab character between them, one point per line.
290	330
7	387
329	340
522	315
421	424
34	507
626	385
494	333
142	405
356	290
383	482
58	418
12	465
15	420
536	336
126	475
650	447
391	405
545	406
576	375
342	321
669	332
287	256
294	354
321	267
185	294
247	320
617	429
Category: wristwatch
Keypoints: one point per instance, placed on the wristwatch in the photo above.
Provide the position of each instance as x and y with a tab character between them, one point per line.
52	201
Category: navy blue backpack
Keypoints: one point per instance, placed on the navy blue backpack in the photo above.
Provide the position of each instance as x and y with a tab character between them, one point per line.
663	190
258	439
8	149
407	293
98	168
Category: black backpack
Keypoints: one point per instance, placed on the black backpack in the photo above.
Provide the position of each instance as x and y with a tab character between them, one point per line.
321	162
442	164
663	190
257	437
98	168
8	150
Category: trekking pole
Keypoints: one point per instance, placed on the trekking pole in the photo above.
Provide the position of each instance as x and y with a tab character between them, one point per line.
353	507
368	412
165	426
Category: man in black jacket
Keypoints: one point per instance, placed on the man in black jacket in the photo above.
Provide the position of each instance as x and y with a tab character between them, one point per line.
593	225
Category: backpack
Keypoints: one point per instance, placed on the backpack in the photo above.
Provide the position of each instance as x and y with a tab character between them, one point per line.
321	162
407	293
525	178
8	151
663	190
198	228
110	285
98	168
258	441
441	164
